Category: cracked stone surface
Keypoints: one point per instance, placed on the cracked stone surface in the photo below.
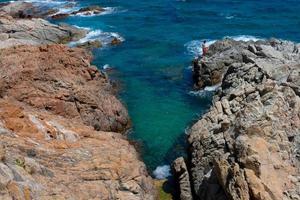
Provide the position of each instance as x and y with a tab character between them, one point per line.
247	145
59	120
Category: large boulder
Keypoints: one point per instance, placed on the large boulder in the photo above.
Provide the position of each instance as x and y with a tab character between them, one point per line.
272	55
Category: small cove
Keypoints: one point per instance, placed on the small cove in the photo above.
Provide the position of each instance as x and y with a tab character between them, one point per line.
161	39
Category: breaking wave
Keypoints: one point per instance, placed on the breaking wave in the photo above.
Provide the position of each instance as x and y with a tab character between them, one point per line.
162	172
107	11
104	37
194	47
207	91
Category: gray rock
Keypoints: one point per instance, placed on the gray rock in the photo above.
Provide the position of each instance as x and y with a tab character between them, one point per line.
182	175
247	145
35	31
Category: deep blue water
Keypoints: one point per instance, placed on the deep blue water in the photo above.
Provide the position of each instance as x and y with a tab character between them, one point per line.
152	63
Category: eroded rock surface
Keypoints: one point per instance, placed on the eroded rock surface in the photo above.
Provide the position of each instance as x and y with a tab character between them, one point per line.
182	176
60	123
247	145
22	10
45	156
61	80
50	95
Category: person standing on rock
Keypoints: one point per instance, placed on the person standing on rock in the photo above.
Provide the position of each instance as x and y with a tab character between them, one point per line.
204	48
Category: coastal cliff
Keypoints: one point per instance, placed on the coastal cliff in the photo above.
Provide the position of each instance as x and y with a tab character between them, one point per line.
247	145
61	125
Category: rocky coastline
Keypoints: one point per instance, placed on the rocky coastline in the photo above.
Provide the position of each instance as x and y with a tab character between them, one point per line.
62	127
247	145
63	130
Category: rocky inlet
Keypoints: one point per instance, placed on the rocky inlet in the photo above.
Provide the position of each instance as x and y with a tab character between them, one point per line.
247	145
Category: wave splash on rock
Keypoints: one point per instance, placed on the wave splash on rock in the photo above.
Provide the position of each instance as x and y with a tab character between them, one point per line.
162	172
105	38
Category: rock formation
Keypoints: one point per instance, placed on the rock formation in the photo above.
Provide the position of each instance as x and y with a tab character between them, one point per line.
35	31
247	145
49	97
46	156
21	9
90	10
61	80
182	176
86	11
60	123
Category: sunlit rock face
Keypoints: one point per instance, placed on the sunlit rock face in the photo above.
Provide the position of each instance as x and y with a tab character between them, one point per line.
58	118
247	145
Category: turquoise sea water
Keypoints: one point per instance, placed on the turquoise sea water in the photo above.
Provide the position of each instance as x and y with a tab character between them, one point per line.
161	39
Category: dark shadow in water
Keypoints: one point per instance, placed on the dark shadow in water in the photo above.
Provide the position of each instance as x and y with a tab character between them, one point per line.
170	187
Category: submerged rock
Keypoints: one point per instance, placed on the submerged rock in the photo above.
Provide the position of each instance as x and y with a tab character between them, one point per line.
247	145
90	10
60	16
90	44
115	41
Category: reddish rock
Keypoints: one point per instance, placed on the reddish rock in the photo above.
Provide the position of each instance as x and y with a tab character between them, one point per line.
51	157
49	97
62	81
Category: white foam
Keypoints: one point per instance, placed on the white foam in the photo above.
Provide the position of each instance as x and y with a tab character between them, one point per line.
162	172
62	9
47	2
200	93
104	37
111	10
106	67
229	17
207	91
107	11
245	38
65	10
194	47
212	88
80	27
